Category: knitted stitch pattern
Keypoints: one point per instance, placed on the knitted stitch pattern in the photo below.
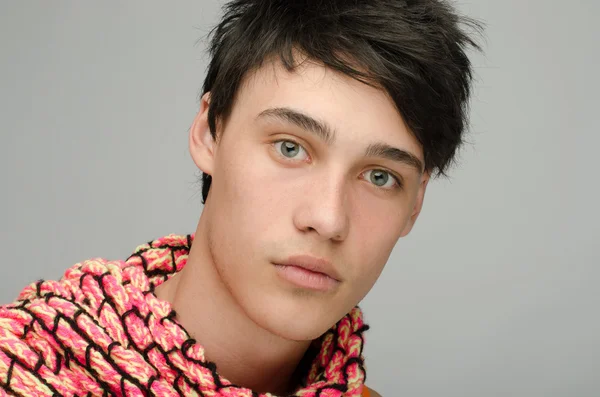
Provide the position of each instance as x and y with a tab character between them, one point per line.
101	331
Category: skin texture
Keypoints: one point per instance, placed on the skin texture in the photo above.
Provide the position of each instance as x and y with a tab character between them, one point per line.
264	206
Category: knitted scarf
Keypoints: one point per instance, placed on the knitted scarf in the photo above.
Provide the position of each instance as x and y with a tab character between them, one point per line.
101	331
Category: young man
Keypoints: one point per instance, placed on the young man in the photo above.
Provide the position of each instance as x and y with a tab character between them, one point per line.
319	127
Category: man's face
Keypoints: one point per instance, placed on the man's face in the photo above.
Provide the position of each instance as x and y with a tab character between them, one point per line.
280	189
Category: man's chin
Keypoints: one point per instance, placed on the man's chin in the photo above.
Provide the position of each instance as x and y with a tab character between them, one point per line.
295	318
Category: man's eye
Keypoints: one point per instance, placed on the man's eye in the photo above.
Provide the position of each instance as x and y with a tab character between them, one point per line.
289	149
383	179
380	178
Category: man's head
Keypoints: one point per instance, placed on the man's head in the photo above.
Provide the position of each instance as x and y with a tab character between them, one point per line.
320	125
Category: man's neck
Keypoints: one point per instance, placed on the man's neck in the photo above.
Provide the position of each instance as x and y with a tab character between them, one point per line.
245	354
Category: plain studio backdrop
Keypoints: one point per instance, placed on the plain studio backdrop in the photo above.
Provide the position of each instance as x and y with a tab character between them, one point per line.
494	293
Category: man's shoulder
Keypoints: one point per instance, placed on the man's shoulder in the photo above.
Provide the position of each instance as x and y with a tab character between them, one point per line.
54	326
70	284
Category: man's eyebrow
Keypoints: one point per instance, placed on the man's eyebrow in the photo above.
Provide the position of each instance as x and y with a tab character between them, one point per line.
302	120
327	134
383	150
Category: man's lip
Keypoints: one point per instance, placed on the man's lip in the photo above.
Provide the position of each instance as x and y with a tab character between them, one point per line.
313	264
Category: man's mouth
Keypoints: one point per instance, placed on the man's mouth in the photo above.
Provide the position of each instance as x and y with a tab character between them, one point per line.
305	278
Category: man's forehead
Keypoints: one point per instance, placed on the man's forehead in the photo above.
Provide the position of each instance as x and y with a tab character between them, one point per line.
272	88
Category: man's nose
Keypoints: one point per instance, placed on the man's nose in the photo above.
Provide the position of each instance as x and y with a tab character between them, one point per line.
324	209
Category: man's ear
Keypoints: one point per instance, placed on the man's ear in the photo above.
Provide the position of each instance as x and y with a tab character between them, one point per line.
418	204
202	144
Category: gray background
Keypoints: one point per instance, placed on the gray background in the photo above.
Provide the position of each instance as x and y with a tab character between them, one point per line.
495	293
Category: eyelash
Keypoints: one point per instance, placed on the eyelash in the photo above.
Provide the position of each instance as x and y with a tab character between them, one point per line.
396	178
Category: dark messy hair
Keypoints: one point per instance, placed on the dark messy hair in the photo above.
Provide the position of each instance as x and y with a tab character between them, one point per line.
415	50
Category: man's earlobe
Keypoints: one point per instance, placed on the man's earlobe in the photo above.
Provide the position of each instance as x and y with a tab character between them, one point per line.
202	144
